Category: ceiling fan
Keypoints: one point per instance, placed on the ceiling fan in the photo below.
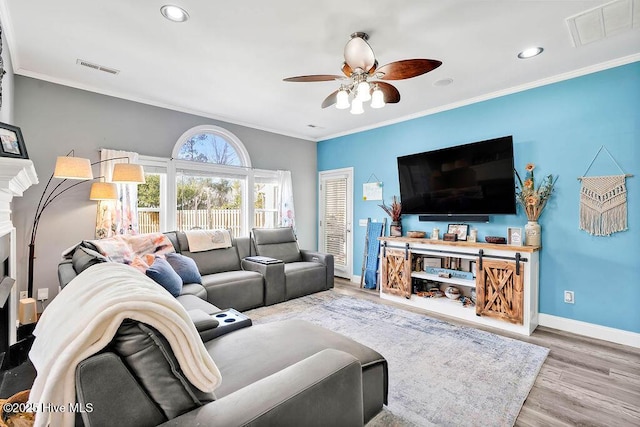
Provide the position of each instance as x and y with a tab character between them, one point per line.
362	80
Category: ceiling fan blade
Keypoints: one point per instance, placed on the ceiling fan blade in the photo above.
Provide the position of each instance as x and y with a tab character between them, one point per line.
346	69
358	54
313	78
391	94
330	100
406	69
373	68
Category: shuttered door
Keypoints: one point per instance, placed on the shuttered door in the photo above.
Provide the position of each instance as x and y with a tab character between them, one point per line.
335	219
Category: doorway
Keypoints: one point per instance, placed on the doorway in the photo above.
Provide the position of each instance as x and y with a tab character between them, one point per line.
336	210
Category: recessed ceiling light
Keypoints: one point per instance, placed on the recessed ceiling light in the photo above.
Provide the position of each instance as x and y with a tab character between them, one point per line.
530	52
174	13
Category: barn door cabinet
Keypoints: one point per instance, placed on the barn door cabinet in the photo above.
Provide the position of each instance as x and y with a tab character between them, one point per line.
505	282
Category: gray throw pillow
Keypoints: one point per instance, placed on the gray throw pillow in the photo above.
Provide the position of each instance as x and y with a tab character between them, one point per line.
151	360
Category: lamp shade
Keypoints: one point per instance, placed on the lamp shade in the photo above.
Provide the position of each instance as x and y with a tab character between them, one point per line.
128	173
103	191
73	168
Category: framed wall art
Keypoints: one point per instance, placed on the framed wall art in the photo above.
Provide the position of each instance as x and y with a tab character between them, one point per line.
514	236
460	229
11	142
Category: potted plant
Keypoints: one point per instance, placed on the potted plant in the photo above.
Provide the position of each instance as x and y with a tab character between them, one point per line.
395	212
533	199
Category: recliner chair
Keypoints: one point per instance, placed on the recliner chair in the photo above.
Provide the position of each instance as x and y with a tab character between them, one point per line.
305	271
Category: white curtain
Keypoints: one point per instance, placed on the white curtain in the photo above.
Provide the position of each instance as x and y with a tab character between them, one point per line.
117	216
287	210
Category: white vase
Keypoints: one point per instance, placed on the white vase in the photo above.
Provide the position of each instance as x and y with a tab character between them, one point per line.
532	234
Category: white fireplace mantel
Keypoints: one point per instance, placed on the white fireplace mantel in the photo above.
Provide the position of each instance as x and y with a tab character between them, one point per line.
16	175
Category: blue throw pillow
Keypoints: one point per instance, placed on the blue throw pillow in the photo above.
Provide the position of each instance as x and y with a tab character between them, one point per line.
162	273
185	267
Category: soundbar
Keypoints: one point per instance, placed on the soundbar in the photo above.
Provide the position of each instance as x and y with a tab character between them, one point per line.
454	217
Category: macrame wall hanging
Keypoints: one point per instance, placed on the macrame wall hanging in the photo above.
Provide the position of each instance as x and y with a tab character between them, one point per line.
603	201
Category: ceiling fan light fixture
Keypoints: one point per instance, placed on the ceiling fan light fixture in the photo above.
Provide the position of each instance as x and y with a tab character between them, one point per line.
174	13
342	100
356	107
364	92
377	98
530	52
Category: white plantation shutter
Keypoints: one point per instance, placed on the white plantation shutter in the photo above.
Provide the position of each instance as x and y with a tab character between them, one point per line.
335	227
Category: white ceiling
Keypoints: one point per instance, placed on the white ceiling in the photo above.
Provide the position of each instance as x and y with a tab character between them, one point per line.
228	60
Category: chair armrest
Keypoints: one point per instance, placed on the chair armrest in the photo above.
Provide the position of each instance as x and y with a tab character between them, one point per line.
322	258
202	320
322	390
273	276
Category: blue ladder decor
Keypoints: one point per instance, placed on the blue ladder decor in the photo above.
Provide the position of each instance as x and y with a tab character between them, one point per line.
371	251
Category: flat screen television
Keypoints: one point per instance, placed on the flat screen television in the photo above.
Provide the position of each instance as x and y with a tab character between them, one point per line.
470	179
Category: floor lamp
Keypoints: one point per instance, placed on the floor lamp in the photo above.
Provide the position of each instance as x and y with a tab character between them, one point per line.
77	168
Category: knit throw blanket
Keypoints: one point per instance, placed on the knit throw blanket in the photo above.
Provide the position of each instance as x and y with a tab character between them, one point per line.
603	205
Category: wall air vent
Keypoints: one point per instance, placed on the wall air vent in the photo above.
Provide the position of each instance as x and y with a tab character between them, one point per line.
604	21
97	67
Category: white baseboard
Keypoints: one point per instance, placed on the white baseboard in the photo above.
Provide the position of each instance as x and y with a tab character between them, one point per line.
591	330
355	279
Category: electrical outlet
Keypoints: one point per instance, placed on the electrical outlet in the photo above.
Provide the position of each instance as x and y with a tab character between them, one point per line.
569	297
24	294
43	294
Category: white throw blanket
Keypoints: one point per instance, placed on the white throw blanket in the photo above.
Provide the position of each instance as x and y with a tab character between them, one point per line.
205	240
83	319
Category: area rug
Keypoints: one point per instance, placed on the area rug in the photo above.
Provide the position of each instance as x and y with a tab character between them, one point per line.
440	374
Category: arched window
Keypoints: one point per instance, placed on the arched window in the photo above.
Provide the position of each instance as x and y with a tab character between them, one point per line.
212	171
211	144
208	183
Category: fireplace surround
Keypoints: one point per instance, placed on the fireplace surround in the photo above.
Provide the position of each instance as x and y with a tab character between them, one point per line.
16	175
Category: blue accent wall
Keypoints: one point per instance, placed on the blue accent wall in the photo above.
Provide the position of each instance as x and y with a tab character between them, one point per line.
559	127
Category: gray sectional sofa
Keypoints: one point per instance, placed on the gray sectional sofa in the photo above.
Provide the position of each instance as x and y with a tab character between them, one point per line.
228	279
287	373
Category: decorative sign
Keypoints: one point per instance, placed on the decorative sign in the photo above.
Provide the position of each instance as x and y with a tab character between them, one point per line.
372	191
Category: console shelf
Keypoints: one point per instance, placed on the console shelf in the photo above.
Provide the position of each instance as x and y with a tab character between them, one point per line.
506	281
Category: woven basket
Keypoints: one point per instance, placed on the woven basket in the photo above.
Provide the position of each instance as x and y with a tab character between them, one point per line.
18	419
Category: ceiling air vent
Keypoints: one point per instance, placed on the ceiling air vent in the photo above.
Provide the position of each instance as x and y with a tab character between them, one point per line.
604	21
97	67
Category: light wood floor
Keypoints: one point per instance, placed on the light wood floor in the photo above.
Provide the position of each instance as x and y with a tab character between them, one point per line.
583	382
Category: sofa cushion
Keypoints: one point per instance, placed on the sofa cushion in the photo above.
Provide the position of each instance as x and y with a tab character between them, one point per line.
84	258
240	289
304	278
150	358
263	347
162	273
185	267
194	289
213	261
278	243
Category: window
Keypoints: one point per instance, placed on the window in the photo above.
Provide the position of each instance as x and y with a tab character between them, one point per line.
212	175
152	195
206	201
266	198
208	183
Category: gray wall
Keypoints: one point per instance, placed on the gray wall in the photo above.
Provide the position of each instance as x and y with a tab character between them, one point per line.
56	119
6	111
